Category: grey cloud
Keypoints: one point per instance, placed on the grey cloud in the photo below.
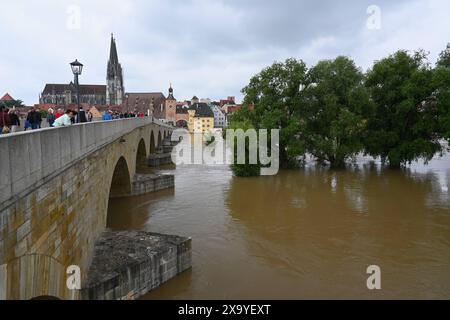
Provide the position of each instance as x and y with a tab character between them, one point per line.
208	48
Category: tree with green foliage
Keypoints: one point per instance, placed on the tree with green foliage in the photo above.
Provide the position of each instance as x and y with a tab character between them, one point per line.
399	110
405	125
335	111
322	111
13	103
444	58
441	84
274	92
247	169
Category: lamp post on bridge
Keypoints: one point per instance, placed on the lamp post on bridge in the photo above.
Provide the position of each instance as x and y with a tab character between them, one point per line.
77	68
128	107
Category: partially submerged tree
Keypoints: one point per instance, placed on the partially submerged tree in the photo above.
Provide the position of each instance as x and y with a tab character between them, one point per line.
335	111
441	84
246	169
274	92
405	125
399	110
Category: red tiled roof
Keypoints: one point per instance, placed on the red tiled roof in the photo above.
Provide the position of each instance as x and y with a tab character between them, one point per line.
141	102
7	97
232	109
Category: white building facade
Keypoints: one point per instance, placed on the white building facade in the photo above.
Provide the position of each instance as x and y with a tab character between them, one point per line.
220	120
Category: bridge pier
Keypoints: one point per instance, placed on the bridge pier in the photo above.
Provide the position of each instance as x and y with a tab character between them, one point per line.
146	183
129	264
162	155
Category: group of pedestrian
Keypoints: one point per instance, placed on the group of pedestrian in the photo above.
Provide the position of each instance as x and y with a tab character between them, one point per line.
114	115
10	121
69	117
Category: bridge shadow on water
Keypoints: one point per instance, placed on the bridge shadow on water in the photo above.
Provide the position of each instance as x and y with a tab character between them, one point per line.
130	213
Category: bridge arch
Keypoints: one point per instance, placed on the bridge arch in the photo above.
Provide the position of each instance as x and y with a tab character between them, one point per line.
121	179
45	298
141	157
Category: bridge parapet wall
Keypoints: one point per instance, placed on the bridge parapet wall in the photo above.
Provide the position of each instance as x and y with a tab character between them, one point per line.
26	158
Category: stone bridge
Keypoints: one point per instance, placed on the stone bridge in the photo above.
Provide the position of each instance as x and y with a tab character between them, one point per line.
55	185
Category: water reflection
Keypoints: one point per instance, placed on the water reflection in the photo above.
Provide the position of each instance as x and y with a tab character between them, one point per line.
132	213
307	233
326	227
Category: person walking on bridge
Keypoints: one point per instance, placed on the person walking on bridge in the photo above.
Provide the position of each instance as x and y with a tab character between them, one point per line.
34	118
59	113
39	117
81	117
15	121
65	120
106	116
5	121
51	117
90	116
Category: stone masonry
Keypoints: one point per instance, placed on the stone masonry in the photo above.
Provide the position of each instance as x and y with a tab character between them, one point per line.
54	191
145	183
129	264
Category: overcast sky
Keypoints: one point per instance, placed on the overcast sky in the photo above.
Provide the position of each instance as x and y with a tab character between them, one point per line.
204	47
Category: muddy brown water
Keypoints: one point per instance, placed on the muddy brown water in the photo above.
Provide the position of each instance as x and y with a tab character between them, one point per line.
307	233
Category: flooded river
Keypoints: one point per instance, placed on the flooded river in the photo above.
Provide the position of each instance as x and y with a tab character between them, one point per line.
308	233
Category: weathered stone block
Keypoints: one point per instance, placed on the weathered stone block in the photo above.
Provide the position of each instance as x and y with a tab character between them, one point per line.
134	261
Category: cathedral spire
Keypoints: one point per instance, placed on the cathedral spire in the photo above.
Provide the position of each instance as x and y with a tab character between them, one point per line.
114	76
113	57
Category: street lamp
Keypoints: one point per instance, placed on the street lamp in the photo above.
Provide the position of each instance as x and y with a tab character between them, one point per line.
77	68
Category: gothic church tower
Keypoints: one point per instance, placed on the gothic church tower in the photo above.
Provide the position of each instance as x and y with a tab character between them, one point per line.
114	78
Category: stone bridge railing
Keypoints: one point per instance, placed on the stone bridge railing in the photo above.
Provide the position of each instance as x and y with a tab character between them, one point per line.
29	159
